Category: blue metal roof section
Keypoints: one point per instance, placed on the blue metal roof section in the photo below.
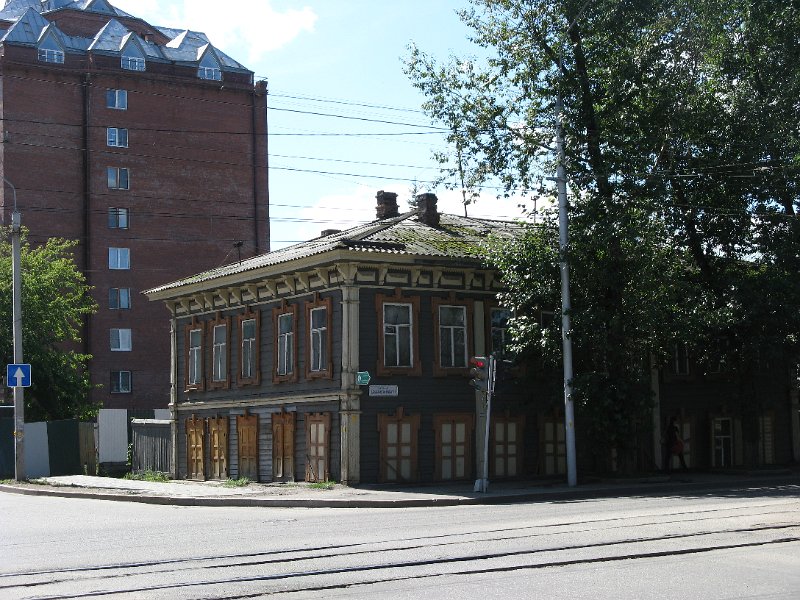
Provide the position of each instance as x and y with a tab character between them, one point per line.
454	238
14	9
189	46
27	29
185	46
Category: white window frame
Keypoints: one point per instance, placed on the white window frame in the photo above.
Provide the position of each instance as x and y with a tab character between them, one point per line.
397	331
449	331
286	364
121	340
318	341
121	382
249	349
133	63
219	372
119	298
119	259
209	73
116	137
194	377
50	55
117	99
119	178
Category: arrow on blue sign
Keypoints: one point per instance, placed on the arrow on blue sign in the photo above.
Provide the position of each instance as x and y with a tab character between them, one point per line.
18	375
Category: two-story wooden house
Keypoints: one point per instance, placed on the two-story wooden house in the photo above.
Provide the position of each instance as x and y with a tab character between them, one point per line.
266	354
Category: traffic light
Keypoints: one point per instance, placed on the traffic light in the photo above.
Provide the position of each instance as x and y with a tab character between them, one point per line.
479	372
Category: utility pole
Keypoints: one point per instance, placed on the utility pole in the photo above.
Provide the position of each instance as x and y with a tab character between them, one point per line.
566	304
19	391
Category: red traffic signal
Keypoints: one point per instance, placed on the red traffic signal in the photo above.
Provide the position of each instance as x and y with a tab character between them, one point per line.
479	372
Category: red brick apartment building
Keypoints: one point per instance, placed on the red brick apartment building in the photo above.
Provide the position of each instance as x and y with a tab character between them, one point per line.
148	145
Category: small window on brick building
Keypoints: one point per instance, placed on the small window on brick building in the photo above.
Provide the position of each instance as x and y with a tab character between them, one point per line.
50	50
209	68
121	340
133	58
117	137
119	298
118	178
119	259
117	218
117	99
121	382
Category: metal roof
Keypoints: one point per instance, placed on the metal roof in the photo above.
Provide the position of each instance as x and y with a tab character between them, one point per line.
455	237
185	46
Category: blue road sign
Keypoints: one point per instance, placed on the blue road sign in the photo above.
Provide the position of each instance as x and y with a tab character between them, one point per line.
18	375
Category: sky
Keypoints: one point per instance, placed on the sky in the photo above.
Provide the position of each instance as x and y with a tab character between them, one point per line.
341	58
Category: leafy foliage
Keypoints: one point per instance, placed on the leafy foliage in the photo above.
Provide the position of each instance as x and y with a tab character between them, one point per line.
55	299
682	153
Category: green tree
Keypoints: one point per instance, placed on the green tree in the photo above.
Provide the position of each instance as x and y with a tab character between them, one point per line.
55	299
682	176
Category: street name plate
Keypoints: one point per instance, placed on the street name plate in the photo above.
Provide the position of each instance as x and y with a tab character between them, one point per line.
383	390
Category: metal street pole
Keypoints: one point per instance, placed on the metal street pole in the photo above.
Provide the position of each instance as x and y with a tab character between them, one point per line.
566	305
19	391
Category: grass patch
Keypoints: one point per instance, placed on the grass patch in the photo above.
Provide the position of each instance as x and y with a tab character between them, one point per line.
148	476
233	483
322	485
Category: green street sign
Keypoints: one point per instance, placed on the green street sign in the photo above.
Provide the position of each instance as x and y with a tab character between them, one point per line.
362	378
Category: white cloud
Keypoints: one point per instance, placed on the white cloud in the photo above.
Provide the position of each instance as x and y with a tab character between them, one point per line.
245	29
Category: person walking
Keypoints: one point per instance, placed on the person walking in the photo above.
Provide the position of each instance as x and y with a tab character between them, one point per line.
673	445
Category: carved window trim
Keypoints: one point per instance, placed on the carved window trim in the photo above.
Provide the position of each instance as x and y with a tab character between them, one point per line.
436	304
327	371
219	384
284	309
416	364
200	384
255	378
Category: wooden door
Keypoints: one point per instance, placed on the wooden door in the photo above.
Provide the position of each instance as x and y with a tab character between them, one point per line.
195	448
398	448
318	429
453	446
247	430
506	444
218	434
283	446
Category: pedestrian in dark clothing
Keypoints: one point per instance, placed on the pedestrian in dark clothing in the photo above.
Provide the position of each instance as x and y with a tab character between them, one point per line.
673	445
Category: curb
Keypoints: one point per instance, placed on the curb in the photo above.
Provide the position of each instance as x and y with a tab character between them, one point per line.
668	488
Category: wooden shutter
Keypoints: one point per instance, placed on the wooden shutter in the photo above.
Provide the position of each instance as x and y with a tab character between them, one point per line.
218	432
318	430
247	430
283	446
195	448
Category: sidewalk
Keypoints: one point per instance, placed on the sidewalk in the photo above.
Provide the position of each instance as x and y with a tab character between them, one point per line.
214	493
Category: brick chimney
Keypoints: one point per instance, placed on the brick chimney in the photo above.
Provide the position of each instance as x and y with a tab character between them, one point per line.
426	207
387	205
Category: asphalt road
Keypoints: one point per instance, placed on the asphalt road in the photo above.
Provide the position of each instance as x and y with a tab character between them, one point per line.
727	544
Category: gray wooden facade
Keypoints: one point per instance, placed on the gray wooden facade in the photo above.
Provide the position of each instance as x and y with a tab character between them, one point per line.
430	427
